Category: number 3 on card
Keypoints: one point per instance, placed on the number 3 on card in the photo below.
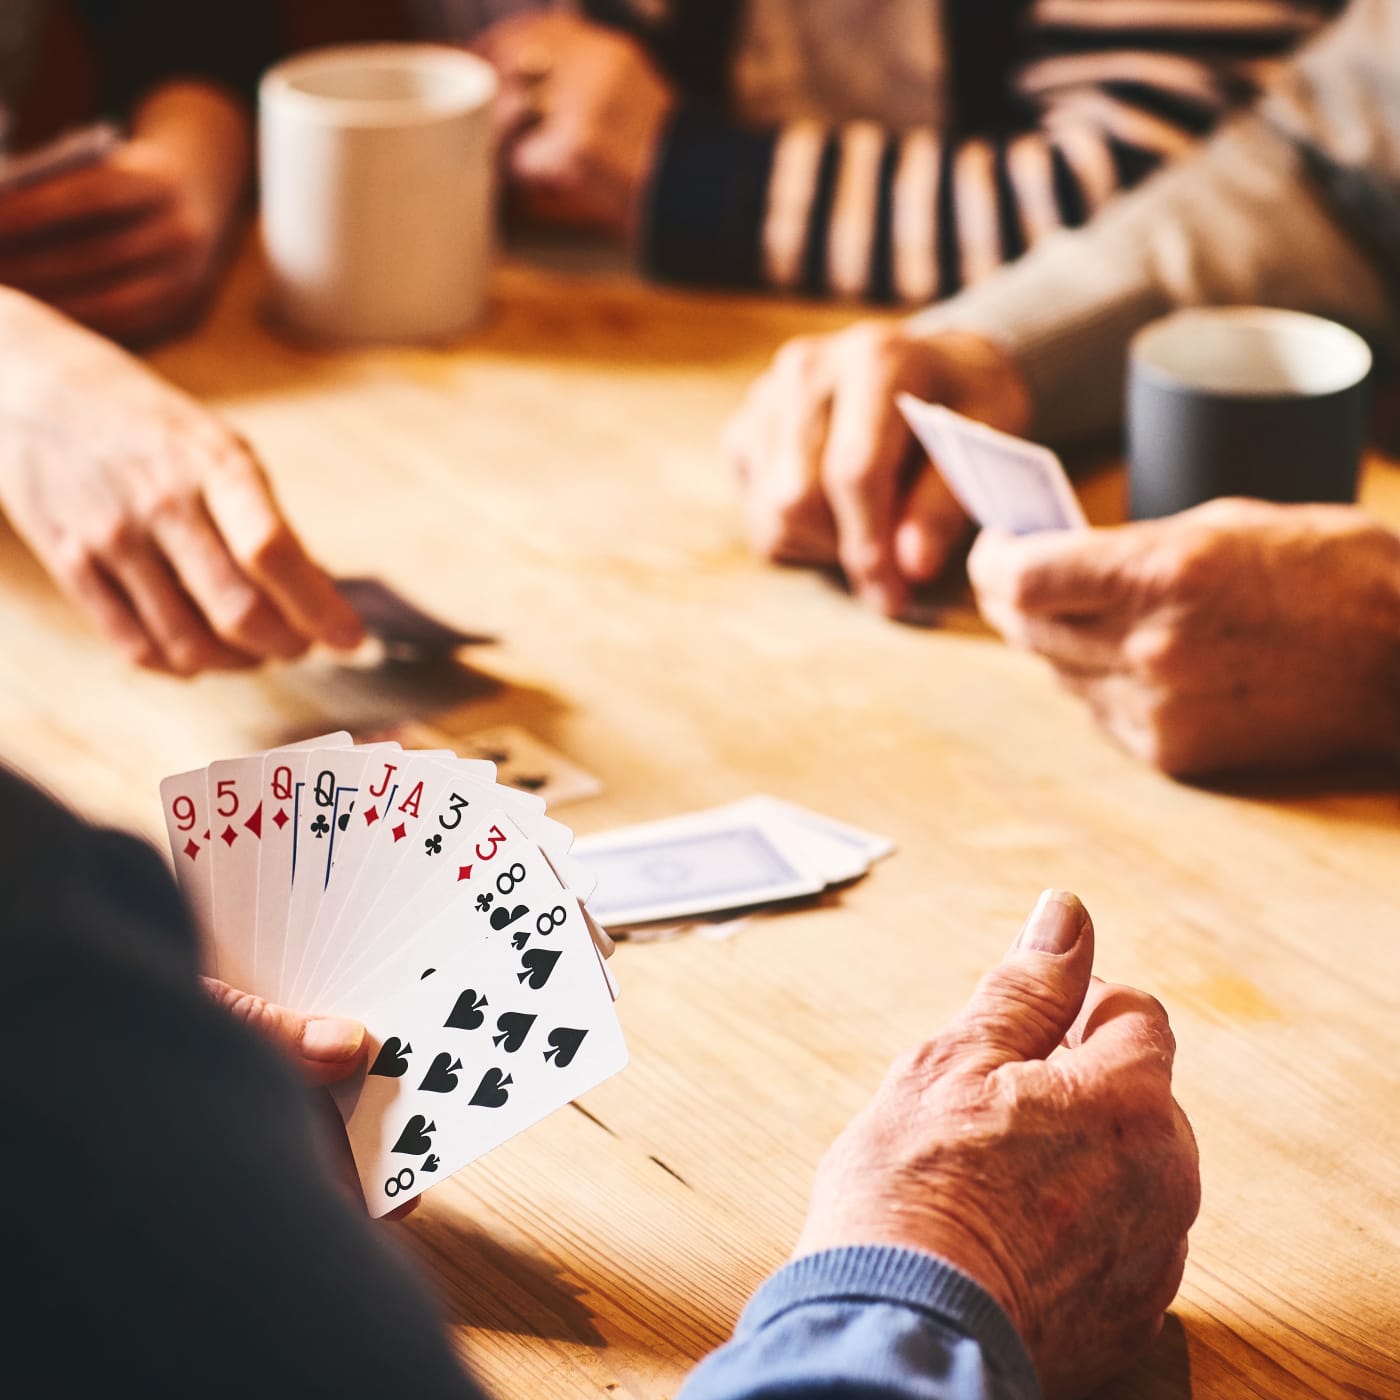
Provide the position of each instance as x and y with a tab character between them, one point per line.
497	837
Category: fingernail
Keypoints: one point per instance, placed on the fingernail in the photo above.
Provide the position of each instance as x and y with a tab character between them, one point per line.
1056	924
332	1038
347	636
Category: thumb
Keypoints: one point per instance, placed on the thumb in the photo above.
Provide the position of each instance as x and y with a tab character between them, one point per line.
324	1048
1022	1008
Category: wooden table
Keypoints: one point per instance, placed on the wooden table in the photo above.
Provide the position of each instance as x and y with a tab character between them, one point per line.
556	480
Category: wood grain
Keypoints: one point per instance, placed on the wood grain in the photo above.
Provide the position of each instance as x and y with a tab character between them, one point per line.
556	480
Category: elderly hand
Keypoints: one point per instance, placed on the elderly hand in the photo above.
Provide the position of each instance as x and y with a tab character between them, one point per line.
155	520
1035	1145
1234	635
829	471
130	246
582	114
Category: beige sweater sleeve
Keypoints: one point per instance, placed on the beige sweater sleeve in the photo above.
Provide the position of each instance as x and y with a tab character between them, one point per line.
1245	221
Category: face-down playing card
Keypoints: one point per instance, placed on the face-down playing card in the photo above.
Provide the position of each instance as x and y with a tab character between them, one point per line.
499	1014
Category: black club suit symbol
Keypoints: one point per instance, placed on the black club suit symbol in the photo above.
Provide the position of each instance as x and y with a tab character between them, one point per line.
319	827
433	845
483	901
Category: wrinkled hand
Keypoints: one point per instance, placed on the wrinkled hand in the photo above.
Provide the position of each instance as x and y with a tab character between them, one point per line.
127	246
829	471
156	521
1234	635
582	112
1035	1145
325	1049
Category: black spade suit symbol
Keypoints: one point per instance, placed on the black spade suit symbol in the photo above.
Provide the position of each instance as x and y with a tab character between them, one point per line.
441	1077
466	1011
563	1045
536	966
414	1140
504	918
491	1092
431	1162
514	1026
391	1061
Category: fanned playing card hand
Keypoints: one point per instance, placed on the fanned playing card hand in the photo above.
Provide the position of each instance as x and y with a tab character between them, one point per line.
410	891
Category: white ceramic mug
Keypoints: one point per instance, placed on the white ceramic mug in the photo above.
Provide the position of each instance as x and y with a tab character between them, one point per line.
378	194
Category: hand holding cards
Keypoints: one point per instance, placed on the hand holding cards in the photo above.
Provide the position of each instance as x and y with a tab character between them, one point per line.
1001	481
410	892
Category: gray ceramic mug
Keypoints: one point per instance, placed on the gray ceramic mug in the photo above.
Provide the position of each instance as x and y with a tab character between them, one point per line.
1244	401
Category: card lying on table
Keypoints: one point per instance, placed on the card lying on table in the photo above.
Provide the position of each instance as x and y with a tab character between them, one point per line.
1001	481
760	850
408	890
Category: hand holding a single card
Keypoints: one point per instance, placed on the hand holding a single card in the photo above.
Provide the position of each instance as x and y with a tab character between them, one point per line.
129	244
152	516
1035	1145
828	469
582	113
1234	635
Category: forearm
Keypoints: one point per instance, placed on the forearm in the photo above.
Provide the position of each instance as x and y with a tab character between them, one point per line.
884	1324
1240	223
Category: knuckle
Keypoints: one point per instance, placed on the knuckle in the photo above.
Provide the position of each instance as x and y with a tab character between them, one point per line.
112	536
72	557
173	502
799	356
142	652
237	613
1156	652
270	550
863	558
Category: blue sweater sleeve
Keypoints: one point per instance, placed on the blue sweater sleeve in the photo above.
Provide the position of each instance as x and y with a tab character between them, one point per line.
869	1323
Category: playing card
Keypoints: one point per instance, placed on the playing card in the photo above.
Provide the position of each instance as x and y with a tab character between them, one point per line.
697	865
380	785
64	154
525	762
427	873
184	798
405	630
1001	481
396	818
283	769
235	820
842	851
508	1019
324	810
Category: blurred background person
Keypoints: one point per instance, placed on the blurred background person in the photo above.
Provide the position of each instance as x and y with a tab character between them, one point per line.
153	518
130	243
149	513
1296	205
895	151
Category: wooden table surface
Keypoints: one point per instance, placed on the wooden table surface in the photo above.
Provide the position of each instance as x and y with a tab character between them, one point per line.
555	480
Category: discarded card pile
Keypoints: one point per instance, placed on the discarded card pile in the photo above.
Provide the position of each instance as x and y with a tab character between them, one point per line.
757	851
410	891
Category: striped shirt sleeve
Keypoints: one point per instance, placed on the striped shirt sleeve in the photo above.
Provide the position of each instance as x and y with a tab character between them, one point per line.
1100	93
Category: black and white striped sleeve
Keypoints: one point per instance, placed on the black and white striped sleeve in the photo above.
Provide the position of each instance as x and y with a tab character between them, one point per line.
1100	94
